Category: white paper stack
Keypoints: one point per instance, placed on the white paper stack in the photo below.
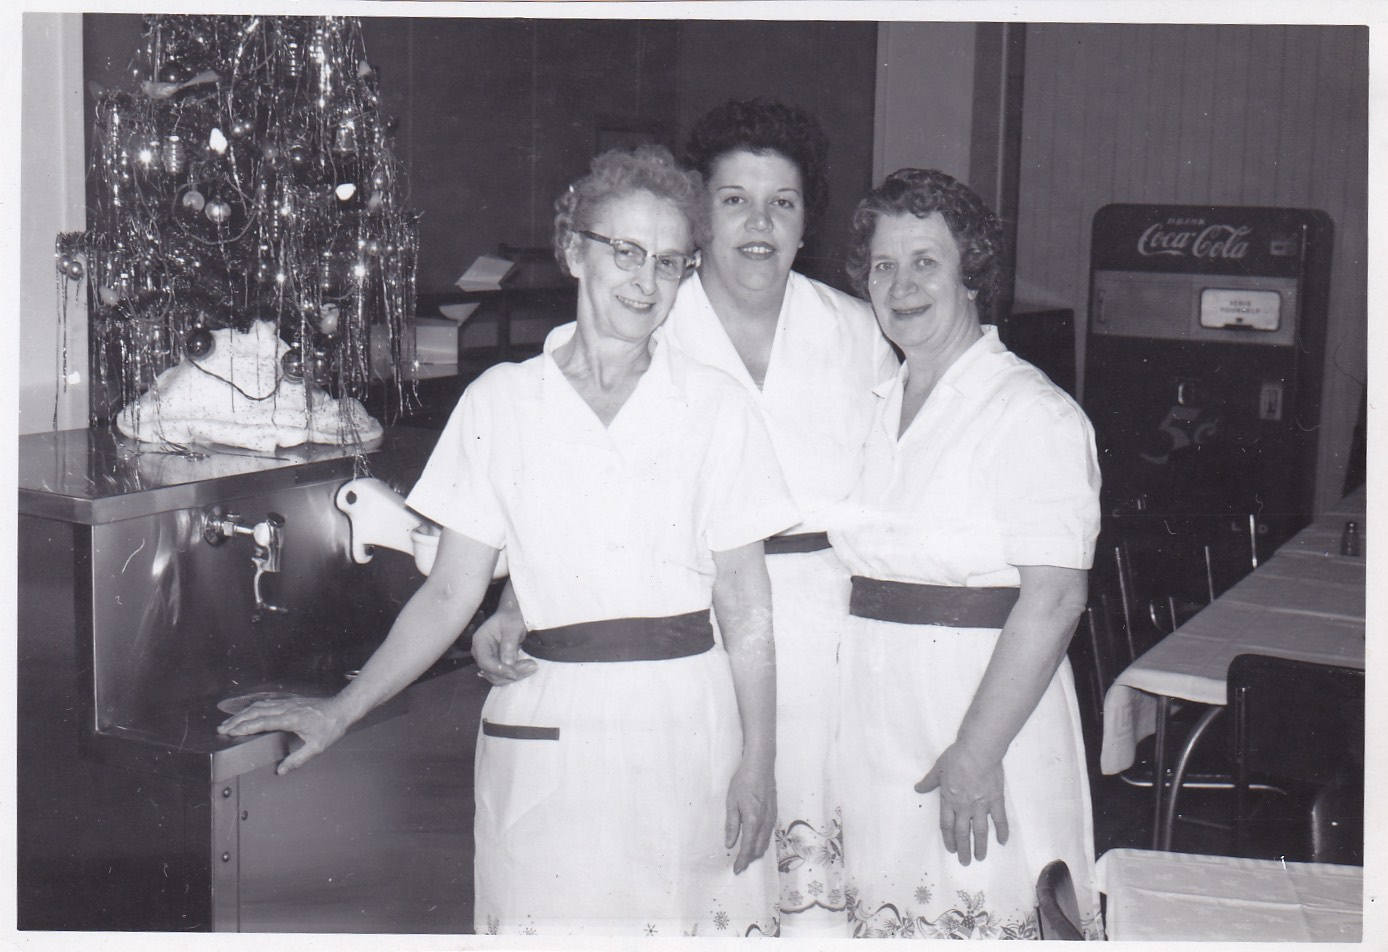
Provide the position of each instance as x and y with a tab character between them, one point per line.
485	274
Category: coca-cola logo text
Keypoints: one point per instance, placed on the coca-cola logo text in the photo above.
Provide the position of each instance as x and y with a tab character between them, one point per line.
1209	241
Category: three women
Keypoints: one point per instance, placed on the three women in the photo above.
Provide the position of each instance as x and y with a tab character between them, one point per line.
629	475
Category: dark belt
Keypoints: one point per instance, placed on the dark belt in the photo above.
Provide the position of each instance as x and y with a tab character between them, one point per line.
795	542
624	639
948	605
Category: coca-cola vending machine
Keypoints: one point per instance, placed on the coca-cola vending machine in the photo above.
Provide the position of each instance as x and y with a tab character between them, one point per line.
1203	364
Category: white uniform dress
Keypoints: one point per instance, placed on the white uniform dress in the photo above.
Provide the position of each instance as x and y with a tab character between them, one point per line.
817	403
615	827
998	469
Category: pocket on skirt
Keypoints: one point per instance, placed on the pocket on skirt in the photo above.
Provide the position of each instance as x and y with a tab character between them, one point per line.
519	731
518	771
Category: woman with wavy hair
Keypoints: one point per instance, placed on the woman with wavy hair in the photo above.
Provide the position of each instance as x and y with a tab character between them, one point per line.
969	537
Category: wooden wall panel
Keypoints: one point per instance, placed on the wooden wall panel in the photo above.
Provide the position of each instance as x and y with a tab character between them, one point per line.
1225	114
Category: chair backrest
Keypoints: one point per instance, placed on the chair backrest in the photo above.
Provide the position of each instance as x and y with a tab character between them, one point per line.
1296	720
1161	570
1057	910
1304	722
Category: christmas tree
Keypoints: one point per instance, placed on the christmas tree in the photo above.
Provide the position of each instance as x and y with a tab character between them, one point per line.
246	175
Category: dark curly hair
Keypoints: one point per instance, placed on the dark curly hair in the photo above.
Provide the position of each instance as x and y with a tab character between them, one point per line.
619	172
758	126
976	230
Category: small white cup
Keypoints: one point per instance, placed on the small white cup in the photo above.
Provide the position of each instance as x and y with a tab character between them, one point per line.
425	540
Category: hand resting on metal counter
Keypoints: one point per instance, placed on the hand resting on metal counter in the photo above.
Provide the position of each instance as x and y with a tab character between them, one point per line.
425	628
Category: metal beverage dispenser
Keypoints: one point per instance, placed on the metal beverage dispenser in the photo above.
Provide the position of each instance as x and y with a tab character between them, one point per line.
1203	363
161	591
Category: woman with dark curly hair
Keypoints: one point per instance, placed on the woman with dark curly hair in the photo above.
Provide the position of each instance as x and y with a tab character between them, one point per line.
626	786
969	537
808	356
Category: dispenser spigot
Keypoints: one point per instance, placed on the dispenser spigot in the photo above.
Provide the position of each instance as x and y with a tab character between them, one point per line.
267	553
268	536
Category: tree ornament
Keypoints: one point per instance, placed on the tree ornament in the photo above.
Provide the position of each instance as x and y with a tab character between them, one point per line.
217	212
156	339
74	269
293	58
300	156
174	72
320	368
175	155
328	319
199	342
148	154
217	141
193	200
345	138
292	363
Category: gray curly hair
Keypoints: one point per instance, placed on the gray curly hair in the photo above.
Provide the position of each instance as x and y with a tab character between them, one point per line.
619	172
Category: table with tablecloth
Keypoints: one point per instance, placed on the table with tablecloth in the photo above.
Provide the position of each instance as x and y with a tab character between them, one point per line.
1305	603
1189	897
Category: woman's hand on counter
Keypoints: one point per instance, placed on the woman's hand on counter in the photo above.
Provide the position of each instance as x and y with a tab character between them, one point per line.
316	721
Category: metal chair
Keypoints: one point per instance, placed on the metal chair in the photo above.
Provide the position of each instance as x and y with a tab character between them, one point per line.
1301	723
1160	573
1057	909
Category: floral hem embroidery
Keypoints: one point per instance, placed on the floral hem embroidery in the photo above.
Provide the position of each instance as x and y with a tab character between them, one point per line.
814	853
968	919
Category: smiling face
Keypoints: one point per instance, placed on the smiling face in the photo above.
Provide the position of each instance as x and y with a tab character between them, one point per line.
627	305
916	287
758	220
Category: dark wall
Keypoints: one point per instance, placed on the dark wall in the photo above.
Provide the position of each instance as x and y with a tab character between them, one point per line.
496	116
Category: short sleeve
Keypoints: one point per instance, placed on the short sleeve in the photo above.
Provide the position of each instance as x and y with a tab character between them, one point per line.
455	489
1047	483
748	496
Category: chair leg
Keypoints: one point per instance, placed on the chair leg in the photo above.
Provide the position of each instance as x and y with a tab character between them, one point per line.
1179	773
1159	768
1240	770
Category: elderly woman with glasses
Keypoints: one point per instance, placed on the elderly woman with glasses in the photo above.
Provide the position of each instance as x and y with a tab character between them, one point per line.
626	786
807	356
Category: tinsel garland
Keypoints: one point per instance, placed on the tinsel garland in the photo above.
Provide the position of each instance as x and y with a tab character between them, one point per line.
246	175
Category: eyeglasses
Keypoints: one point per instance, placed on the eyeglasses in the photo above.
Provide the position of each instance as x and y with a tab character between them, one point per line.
632	257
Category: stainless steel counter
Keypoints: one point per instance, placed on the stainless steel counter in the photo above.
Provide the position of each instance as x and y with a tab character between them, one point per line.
95	476
134	624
